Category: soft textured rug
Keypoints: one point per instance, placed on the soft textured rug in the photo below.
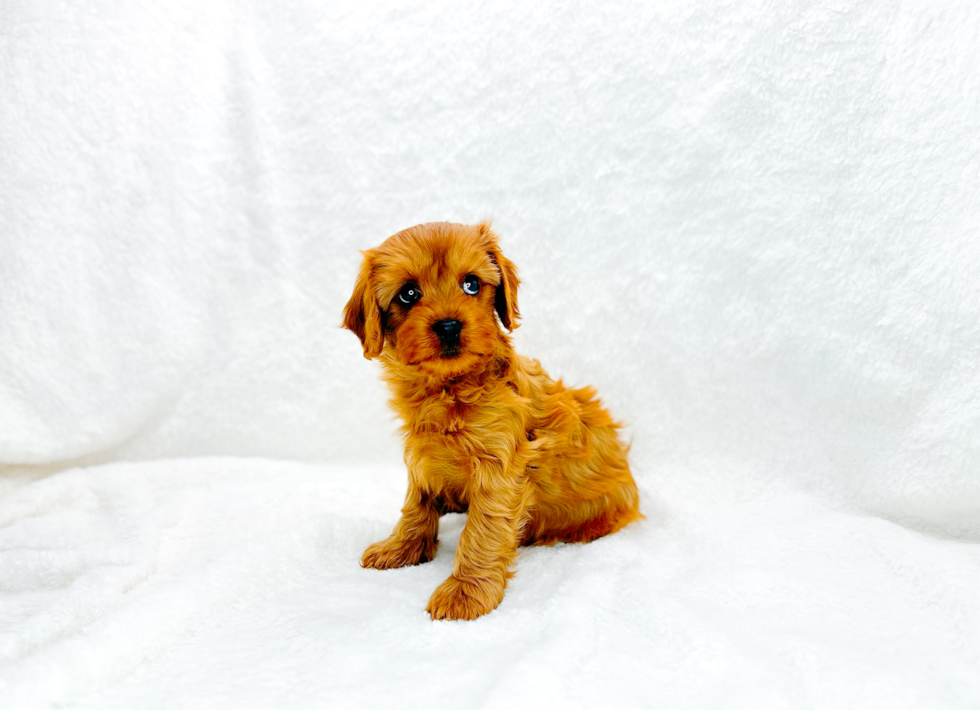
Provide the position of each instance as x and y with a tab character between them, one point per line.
235	583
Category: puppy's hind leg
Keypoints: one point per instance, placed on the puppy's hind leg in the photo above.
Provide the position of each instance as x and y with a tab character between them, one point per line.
614	516
415	538
585	521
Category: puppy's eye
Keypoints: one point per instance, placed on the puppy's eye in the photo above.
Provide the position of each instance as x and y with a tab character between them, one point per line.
471	285
409	294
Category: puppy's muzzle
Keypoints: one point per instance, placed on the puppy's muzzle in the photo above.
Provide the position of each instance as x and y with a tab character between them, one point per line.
448	332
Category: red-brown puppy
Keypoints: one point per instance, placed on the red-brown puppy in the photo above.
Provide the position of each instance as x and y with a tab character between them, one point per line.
486	430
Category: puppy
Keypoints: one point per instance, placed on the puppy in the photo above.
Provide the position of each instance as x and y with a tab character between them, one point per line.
487	432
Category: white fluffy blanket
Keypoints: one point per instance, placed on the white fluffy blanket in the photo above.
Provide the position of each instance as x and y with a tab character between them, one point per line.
235	583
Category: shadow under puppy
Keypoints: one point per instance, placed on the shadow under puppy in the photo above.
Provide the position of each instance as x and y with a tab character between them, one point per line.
486	430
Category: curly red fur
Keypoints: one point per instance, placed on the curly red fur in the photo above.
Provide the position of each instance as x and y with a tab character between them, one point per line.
487	432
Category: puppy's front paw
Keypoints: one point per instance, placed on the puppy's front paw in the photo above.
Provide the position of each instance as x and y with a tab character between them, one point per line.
395	552
464	599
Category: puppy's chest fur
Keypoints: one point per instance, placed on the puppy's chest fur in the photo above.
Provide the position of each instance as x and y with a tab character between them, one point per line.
455	427
511	414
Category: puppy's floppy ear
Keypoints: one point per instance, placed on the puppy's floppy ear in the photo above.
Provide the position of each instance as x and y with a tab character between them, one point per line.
362	315
505	299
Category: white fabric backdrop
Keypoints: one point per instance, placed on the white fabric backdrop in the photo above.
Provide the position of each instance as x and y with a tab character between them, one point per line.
753	227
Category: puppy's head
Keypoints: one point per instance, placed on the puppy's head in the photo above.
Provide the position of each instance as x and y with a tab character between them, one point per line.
432	294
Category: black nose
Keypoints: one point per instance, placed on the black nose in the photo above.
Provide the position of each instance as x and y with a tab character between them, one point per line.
448	331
